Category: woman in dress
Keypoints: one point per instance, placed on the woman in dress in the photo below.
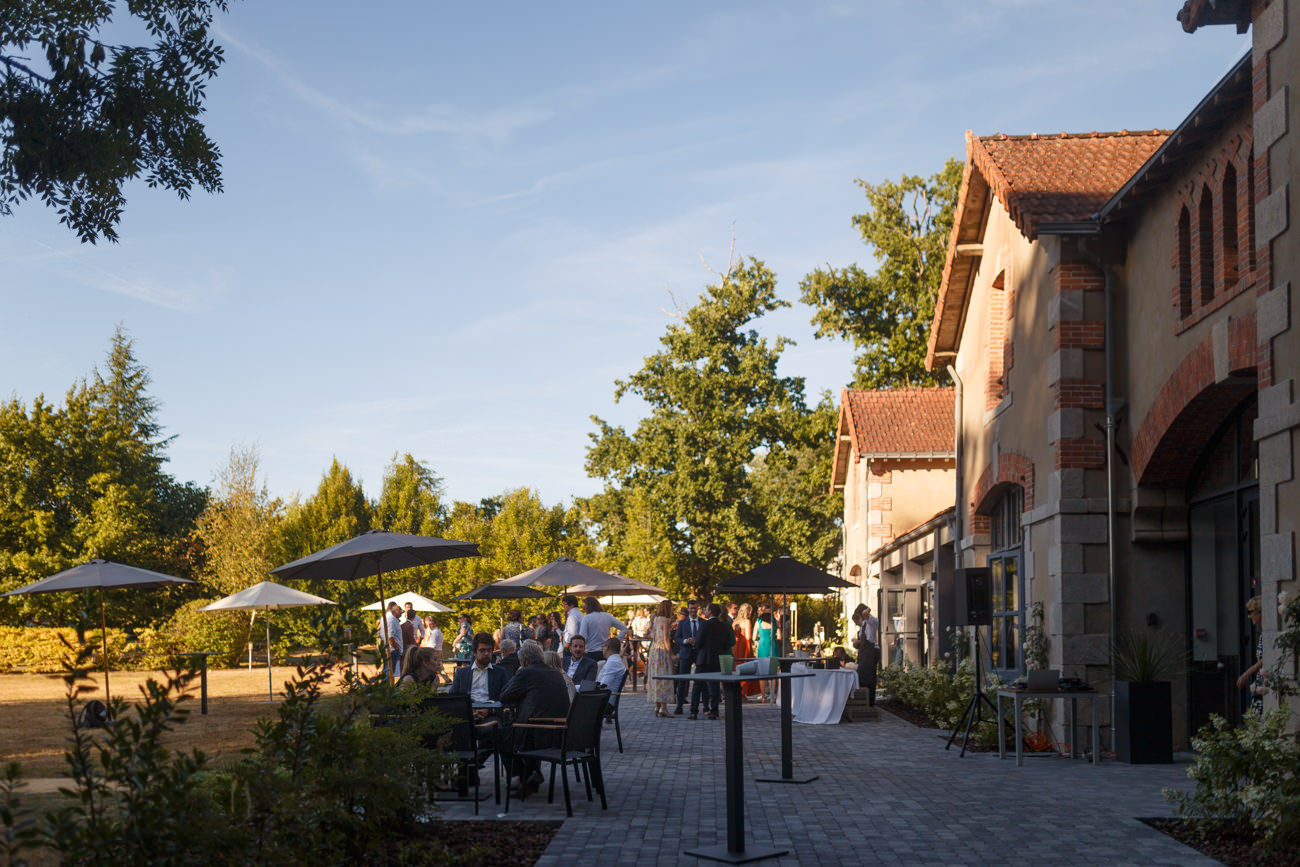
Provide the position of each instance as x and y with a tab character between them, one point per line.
764	646
744	648
660	661
463	644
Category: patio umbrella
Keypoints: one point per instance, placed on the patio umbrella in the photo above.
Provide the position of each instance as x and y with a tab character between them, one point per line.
784	576
620	586
100	575
564	572
501	590
370	554
265	596
418	603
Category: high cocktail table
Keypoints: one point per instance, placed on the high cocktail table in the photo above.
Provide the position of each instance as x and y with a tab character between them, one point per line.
734	852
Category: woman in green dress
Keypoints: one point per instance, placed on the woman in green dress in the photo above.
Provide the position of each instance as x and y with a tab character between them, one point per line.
764	645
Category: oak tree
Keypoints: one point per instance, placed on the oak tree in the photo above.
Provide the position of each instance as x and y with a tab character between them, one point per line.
887	314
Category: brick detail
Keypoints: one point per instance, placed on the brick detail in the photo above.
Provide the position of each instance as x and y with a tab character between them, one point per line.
882	531
1078	394
879	477
1213	257
1079	334
1079	453
881	504
1011	469
1190	408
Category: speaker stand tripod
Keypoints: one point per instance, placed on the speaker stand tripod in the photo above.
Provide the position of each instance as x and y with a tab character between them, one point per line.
974	710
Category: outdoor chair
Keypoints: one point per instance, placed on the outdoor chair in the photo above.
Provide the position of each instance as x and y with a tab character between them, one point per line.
578	737
611	712
469	743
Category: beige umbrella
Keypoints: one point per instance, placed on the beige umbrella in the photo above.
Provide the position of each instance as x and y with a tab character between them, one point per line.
100	575
265	596
370	554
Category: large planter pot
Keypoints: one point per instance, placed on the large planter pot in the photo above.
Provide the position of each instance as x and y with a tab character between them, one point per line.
1144	723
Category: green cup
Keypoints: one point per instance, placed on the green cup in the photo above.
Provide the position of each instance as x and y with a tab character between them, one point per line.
727	661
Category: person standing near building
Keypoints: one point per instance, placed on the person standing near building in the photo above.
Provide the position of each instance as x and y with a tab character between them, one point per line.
867	644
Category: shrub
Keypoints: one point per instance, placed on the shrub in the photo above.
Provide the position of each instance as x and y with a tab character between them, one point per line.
189	630
942	695
46	649
1246	775
323	787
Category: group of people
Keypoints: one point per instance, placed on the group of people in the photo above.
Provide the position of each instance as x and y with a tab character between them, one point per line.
406	634
535	682
695	641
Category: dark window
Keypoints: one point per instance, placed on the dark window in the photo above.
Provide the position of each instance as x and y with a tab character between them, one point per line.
1229	225
1205	246
1184	263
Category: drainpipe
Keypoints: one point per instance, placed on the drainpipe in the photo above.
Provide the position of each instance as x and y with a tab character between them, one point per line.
1112	407
957	442
957	451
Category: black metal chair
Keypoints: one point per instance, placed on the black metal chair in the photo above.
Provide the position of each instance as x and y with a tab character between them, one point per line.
578	737
611	712
469	743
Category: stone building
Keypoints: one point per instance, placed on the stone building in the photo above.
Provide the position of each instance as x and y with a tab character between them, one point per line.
894	461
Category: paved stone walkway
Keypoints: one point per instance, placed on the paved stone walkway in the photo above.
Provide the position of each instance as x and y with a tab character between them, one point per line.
887	793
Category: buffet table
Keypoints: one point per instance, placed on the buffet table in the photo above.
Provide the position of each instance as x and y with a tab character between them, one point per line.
820	699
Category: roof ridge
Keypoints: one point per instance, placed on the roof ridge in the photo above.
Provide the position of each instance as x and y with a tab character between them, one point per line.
1094	134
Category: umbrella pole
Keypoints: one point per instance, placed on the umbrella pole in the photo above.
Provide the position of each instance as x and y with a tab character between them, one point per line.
270	683
103	634
383	618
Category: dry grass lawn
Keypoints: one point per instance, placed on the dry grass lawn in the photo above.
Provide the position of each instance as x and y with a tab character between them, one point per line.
35	730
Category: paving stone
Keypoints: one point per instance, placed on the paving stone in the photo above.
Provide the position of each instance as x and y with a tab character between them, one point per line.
886	792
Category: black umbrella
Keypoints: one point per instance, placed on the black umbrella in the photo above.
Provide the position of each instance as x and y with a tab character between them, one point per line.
100	575
370	554
501	590
784	576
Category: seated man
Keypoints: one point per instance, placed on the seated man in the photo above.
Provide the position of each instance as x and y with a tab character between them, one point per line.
537	690
509	659
481	680
580	667
612	674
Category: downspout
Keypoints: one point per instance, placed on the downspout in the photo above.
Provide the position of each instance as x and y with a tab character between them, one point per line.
1112	407
957	443
957	450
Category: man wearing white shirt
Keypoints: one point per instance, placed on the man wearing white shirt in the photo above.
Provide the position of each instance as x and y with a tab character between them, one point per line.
611	673
596	624
390	636
572	618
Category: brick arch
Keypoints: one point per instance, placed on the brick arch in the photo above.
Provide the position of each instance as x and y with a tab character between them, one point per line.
1191	406
1011	469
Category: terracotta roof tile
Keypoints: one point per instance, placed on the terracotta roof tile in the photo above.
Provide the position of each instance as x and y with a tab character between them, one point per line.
1060	178
901	421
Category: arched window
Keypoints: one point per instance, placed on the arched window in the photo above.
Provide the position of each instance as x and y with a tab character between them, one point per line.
1205	245
1229	225
1184	263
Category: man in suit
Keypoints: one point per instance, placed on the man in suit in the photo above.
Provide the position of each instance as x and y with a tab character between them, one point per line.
868	647
536	690
580	667
684	642
710	644
480	680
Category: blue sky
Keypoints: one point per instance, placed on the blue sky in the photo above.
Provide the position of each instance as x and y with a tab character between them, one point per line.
447	228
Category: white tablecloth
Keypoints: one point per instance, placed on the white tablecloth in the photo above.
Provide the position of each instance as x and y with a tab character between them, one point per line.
820	699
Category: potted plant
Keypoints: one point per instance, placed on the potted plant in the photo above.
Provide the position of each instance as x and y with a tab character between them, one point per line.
1146	661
